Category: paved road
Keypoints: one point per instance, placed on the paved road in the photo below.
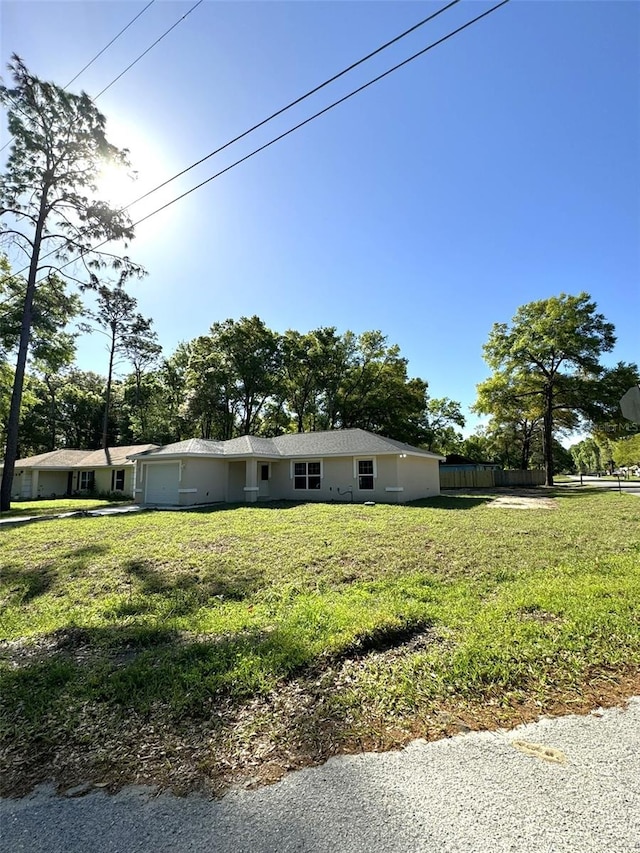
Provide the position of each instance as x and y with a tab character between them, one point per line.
469	794
632	487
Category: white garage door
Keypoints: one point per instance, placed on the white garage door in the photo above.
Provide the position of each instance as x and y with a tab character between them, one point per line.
162	483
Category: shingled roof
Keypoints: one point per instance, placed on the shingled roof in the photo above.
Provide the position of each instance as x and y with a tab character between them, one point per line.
67	458
64	458
338	442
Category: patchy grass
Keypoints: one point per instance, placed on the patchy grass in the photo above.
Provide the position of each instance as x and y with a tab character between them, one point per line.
56	506
195	649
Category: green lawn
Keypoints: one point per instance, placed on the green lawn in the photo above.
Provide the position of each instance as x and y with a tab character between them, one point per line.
194	648
55	506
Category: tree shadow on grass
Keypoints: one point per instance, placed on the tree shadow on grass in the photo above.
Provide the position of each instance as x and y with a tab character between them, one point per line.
444	501
191	590
88	701
26	583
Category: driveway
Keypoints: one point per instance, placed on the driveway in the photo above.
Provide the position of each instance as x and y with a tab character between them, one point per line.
567	785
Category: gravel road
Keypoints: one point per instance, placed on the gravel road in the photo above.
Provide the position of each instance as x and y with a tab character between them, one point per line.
472	793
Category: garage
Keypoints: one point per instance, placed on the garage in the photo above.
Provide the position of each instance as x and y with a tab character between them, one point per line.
162	482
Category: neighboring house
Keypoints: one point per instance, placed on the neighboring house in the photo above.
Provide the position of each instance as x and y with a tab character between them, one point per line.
338	465
456	462
69	472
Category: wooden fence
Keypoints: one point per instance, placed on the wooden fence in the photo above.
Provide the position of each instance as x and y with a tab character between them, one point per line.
489	478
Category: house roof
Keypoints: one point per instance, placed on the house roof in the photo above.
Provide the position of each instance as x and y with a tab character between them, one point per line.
345	442
64	458
67	458
112	456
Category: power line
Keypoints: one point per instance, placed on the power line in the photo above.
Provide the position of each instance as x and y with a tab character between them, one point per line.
99	54
295	102
107	46
303	123
145	52
283	109
319	113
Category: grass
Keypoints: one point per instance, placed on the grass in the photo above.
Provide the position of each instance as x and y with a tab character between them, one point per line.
195	648
56	506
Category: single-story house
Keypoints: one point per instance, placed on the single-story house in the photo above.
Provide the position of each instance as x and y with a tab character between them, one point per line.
69	472
337	465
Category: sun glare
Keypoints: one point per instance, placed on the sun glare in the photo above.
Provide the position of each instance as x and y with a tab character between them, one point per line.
117	185
120	185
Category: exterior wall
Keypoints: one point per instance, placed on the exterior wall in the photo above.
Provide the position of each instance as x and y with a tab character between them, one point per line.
396	480
102	478
419	476
28	483
202	481
17	484
138	491
52	483
236	479
338	482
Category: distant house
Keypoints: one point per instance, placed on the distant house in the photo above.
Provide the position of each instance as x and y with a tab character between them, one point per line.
337	465
456	462
70	472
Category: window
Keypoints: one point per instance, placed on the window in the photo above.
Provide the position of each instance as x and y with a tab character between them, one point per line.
86	480
365	473
117	480
306	475
264	472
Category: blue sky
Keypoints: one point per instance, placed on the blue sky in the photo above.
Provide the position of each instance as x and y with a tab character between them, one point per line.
500	168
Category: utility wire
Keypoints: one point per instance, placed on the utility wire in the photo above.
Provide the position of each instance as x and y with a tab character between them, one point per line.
145	52
98	55
283	109
302	123
294	103
107	46
321	112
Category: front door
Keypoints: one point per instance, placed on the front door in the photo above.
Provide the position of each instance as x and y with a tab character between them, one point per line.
263	479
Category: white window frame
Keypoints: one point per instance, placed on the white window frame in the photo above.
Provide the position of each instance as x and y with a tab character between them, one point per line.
114	479
89	476
356	471
306	463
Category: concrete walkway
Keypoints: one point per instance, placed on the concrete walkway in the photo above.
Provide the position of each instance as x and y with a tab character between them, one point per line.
107	510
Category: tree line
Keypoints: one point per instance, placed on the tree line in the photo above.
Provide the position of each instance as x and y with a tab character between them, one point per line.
240	378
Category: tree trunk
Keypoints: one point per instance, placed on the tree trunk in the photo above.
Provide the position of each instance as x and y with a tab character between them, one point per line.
52	413
13	423
105	425
547	437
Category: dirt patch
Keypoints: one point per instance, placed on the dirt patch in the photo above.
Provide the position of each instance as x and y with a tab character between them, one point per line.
521	499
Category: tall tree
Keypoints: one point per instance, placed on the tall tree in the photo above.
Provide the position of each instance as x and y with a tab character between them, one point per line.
48	199
126	330
553	347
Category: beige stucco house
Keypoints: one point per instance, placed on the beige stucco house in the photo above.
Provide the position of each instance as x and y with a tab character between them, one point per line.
69	472
338	465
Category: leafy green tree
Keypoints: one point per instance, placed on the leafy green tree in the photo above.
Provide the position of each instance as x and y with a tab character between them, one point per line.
553	348
49	205
587	456
307	363
233	372
81	409
442	417
626	451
